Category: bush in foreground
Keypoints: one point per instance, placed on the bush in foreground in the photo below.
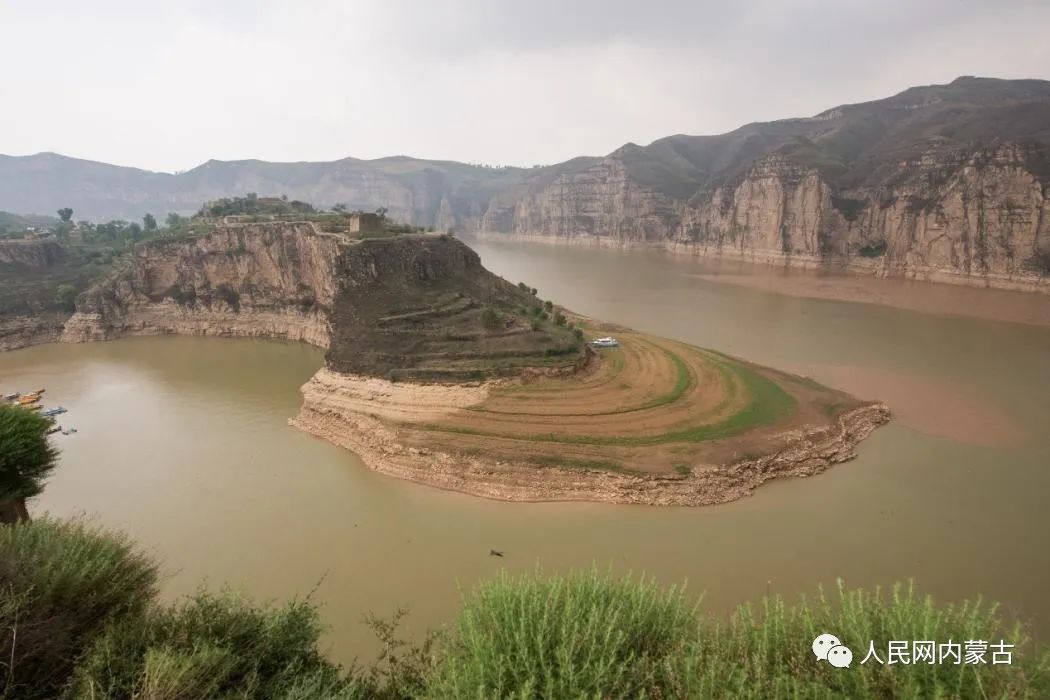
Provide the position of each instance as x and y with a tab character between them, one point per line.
60	585
582	636
78	619
593	636
213	646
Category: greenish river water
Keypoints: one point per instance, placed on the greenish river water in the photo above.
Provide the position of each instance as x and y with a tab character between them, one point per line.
183	442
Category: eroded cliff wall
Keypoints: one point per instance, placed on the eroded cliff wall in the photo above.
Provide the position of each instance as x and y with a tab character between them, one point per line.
251	280
30	274
980	217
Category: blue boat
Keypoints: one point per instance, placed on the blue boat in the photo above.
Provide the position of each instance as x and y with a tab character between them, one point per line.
53	411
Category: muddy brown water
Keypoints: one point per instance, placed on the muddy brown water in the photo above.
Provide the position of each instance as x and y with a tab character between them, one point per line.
183	442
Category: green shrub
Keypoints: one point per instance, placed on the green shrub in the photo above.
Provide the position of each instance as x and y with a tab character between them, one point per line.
768	654
27	455
536	324
490	318
548	306
583	636
66	297
212	645
560	319
61	584
594	636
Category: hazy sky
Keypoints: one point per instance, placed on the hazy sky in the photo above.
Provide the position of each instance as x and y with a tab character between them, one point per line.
168	85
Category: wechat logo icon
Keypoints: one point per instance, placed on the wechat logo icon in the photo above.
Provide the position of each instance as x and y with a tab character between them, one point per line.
828	647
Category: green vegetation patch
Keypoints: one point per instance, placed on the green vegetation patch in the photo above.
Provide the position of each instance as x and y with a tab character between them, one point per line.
767	404
79	619
593	636
61	585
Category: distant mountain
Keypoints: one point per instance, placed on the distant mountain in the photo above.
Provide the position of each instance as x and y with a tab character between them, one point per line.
412	189
945	181
19	222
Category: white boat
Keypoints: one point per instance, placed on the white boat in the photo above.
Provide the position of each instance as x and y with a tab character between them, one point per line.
605	343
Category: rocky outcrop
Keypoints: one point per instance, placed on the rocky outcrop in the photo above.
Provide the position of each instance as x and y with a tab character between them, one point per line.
362	413
32	254
403	304
256	280
23	331
980	218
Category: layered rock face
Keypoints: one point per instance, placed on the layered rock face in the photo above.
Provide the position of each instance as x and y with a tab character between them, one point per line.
406	303
942	182
26	313
981	217
251	280
31	255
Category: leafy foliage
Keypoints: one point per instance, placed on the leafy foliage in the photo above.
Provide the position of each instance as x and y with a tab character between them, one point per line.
26	454
490	318
587	635
212	645
593	636
60	585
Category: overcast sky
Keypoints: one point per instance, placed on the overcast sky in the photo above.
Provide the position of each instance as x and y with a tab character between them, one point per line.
168	85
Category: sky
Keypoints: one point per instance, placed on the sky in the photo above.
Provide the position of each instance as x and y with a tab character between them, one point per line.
169	85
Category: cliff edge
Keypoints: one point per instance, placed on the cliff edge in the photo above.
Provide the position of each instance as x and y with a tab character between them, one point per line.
440	372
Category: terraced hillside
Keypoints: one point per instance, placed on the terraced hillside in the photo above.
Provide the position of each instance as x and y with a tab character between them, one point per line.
653	421
649	406
422	308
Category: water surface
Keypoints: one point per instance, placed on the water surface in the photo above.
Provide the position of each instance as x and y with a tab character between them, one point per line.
183	442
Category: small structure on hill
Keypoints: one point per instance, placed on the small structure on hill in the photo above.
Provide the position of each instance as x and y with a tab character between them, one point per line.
364	222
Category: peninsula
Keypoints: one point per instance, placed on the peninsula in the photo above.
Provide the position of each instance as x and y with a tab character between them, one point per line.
440	372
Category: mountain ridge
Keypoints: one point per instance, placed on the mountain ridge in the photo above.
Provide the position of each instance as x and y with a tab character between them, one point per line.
945	182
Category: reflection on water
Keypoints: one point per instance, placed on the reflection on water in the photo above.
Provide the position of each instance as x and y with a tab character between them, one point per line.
184	443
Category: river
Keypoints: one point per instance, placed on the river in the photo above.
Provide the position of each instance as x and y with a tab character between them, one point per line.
183	442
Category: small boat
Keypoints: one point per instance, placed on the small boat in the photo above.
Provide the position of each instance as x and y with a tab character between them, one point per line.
605	343
57	410
69	432
32	406
11	397
54	429
38	392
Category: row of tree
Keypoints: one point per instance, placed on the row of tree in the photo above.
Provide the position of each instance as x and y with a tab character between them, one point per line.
116	231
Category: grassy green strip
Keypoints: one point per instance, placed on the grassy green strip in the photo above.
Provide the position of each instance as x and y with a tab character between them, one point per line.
767	404
683	381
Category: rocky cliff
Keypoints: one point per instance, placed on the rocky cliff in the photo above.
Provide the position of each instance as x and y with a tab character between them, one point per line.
404	306
978	216
251	280
31	275
943	182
